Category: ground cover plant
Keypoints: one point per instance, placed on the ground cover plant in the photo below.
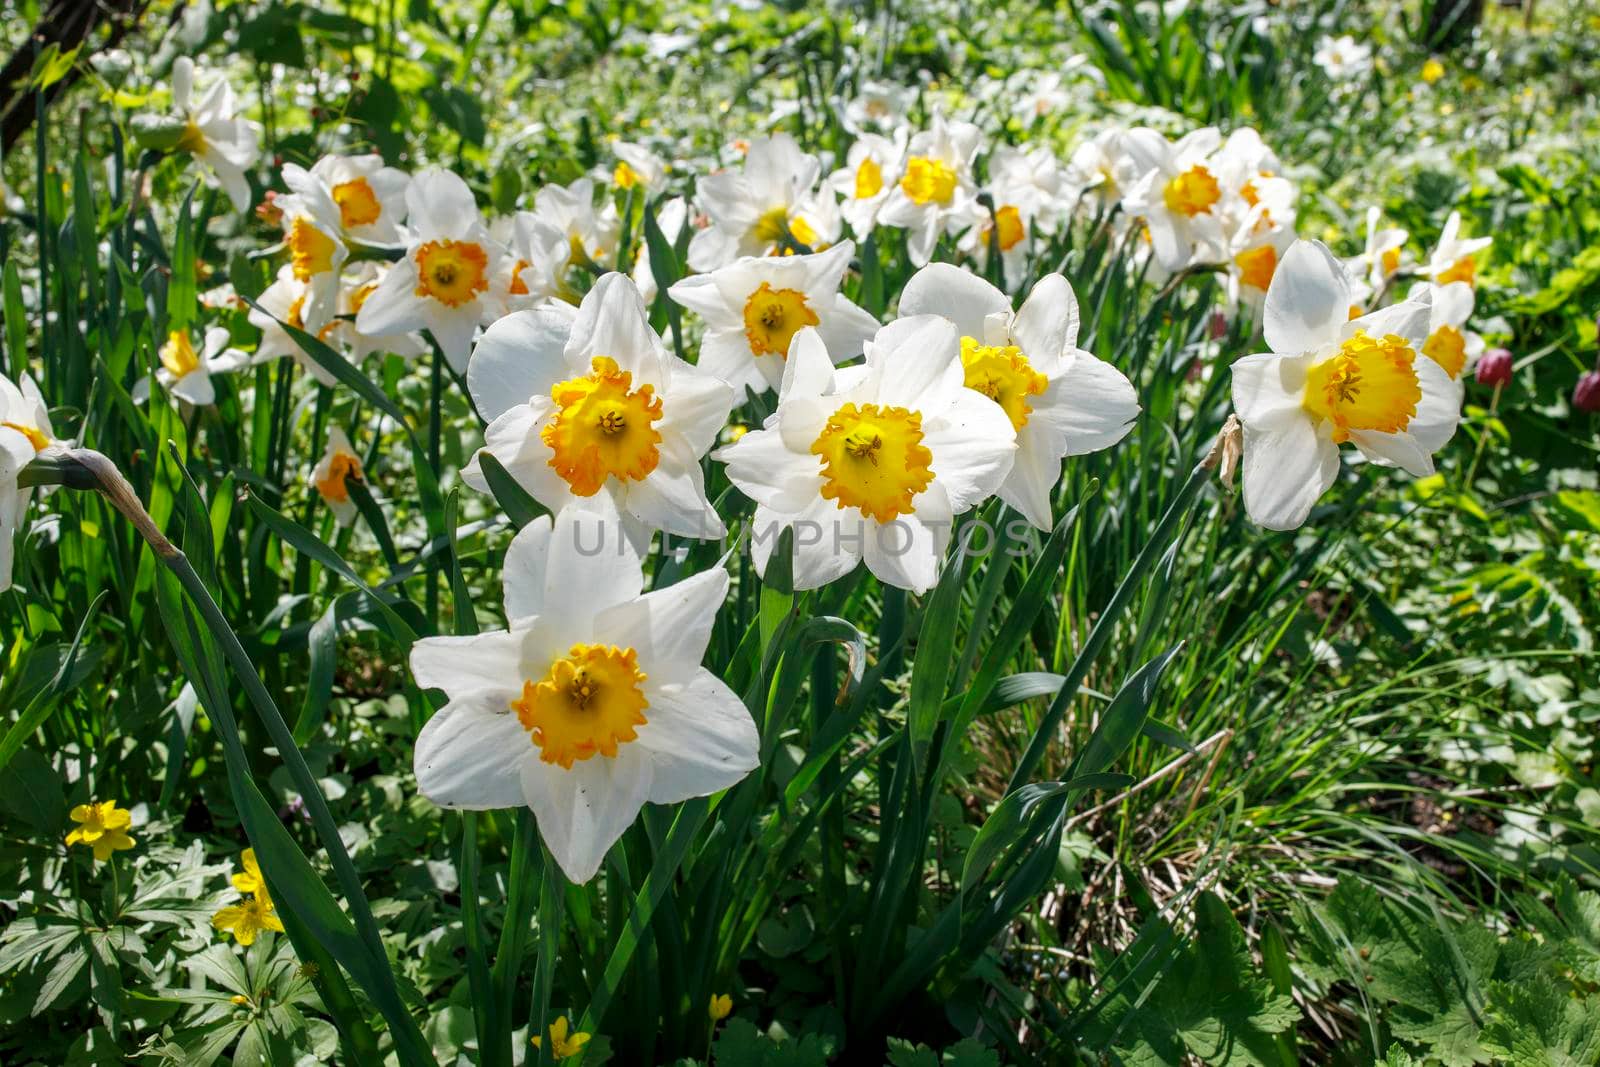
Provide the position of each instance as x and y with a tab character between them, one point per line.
744	534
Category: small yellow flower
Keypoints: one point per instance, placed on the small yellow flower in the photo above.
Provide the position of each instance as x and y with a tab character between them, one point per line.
103	827
247	919
249	880
561	1045
1432	71
721	1007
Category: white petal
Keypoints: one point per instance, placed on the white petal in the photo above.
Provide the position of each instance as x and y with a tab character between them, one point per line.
906	552
1285	471
1408	319
669	627
809	369
919	359
393	306
700	736
196	388
518	357
486	662
1034	473
1048	322
1268	390
1092	406
1400	449
673	499
1308	301
828	541
470	754
611	322
694	407
590	565
584	810
972	444
955	294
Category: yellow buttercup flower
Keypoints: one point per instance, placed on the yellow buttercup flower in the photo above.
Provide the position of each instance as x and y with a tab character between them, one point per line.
103	827
563	1046
1432	71
247	919
720	1008
249	880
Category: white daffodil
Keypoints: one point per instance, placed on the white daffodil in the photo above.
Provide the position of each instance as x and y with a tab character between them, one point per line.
1028	189
872	461
753	308
1180	199
1384	254
935	193
1343	57
442	283
590	404
359	284
283	302
755	208
330	477
24	433
1454	258
186	373
1040	94
879	107
871	170
215	133
1330	379
591	703
535	268
672	218
1257	198
1060	400
369	197
1105	167
1254	252
317	252
637	167
1450	344
590	233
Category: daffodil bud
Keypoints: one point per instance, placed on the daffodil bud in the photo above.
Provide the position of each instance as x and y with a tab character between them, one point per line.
159	133
1495	367
1586	397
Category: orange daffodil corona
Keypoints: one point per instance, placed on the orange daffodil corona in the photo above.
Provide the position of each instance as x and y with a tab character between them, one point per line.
588	404
592	702
1330	379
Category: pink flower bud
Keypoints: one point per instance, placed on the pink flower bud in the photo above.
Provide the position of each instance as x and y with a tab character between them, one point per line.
1494	368
1219	325
1586	397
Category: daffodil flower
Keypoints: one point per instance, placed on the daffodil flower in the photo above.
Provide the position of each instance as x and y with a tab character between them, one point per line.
1449	343
330	477
186	373
1027	188
1384	254
1455	258
563	1046
442	284
215	133
754	208
1180	197
637	167
588	234
369	197
753	308
1342	57
103	827
1330	379
284	301
592	702
935	194
870	172
588	403
1060	400
872	461
1104	167
24	433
